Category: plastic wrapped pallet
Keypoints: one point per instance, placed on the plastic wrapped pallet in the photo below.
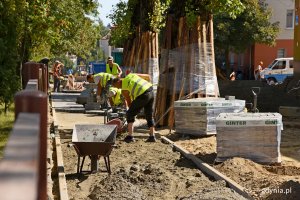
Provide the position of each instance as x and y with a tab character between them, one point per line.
255	136
197	116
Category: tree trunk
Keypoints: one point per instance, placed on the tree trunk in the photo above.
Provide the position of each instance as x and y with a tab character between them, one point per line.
186	55
227	60
6	105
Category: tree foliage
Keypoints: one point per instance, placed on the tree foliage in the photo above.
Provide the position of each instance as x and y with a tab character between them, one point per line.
33	29
251	26
9	83
151	14
56	27
121	17
231	8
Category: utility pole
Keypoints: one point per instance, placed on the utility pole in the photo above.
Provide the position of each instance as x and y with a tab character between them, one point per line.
297	40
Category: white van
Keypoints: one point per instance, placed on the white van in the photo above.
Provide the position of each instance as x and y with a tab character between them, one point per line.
278	70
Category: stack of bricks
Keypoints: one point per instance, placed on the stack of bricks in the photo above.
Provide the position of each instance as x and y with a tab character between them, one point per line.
91	101
88	97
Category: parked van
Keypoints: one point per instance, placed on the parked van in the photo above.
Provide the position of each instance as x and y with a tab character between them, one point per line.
278	70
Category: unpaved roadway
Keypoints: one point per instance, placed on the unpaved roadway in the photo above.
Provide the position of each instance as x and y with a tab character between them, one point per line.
143	170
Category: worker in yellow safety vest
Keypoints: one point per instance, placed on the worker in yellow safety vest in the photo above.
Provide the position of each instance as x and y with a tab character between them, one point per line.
103	80
115	97
138	94
113	68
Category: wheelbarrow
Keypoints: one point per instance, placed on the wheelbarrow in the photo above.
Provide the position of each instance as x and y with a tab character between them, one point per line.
94	141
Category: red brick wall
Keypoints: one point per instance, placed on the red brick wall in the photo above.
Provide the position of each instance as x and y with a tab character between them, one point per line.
267	54
263	53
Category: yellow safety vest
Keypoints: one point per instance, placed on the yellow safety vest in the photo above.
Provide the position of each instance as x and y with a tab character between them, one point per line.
104	77
117	98
114	70
135	85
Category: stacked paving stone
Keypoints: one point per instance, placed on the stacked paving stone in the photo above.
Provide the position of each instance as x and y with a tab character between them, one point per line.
92	103
197	116
254	136
88	97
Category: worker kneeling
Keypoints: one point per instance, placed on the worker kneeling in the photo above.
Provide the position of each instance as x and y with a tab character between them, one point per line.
138	94
115	98
103	81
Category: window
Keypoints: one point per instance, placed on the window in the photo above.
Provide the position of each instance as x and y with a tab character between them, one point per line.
280	53
279	65
290	19
291	64
231	59
241	60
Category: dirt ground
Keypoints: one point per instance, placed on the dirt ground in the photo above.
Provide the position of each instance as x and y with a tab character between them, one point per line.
261	181
142	170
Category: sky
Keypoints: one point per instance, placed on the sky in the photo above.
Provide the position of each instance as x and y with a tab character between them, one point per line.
106	9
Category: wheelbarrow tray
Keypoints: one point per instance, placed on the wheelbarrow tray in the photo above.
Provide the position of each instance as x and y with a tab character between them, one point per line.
94	139
93	148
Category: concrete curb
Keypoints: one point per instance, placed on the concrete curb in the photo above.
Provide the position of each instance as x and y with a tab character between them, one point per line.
204	167
62	183
63	192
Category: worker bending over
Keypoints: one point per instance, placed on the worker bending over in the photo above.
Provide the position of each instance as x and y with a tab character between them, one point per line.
103	80
113	68
115	97
138	94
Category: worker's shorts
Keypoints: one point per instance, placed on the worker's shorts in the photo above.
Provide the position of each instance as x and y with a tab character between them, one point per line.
145	101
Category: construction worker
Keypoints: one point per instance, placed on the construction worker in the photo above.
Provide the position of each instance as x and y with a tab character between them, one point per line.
57	73
138	94
103	80
113	68
232	76
115	97
258	70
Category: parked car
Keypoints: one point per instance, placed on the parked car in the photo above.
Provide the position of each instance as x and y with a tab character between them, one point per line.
278	70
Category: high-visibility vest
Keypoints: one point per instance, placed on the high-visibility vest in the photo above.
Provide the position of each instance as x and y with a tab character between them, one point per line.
117	98
104	77
135	85
114	70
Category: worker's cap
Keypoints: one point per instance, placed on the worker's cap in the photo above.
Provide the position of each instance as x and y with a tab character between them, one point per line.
111	93
110	58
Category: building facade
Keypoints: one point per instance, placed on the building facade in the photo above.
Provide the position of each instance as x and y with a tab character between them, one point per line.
283	12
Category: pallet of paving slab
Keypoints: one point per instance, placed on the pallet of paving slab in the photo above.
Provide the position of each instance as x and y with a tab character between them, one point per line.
255	136
197	116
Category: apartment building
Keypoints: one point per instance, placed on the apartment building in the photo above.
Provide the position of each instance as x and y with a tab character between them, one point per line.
284	13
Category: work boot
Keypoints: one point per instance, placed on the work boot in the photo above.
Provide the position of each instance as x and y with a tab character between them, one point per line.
151	139
129	139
